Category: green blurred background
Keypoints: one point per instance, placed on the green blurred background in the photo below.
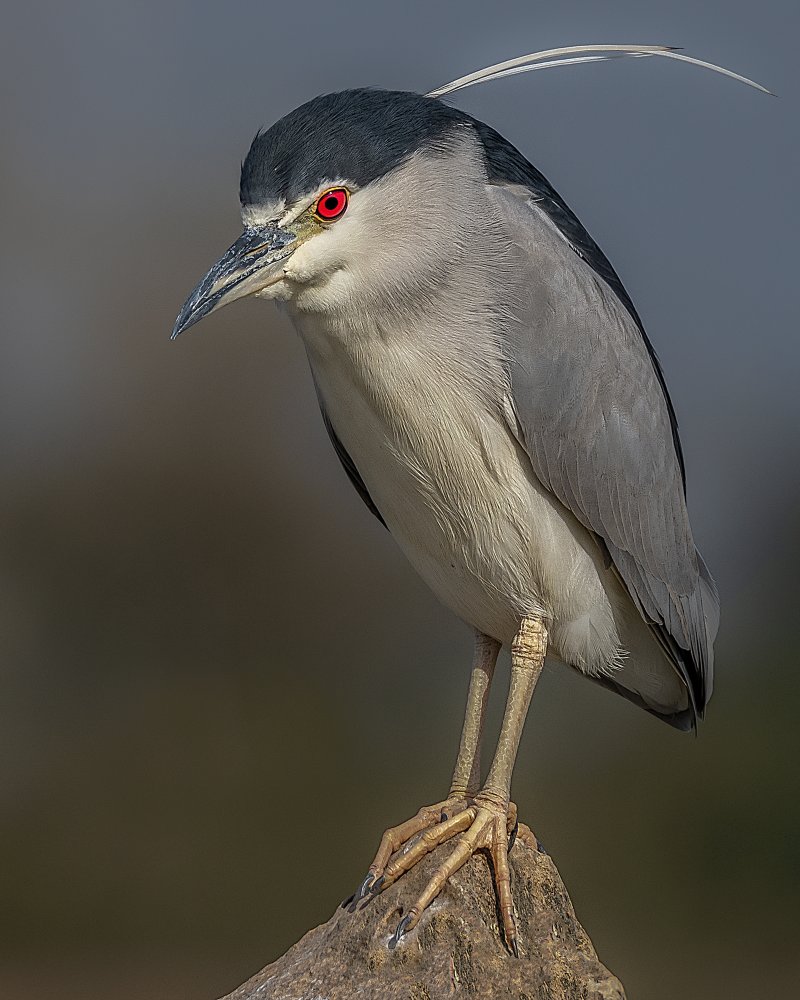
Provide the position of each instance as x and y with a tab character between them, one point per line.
219	678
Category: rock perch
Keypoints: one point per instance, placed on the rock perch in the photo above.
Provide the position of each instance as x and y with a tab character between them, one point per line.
455	951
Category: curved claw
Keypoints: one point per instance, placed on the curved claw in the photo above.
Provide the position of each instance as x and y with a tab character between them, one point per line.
360	893
483	826
399	839
400	930
482	823
513	835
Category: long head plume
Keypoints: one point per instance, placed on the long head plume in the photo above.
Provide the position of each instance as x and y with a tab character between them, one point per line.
571	54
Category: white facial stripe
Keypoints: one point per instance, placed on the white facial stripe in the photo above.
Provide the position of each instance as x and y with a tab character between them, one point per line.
261	215
277	212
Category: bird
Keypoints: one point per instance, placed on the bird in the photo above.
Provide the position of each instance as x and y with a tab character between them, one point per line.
489	388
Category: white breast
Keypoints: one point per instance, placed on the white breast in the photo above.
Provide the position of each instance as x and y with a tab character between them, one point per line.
460	498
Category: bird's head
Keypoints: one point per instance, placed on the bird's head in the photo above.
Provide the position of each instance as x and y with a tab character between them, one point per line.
373	196
351	197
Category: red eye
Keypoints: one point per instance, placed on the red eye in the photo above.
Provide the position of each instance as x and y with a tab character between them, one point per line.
332	204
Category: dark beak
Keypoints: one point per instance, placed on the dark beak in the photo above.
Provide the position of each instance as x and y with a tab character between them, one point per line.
246	267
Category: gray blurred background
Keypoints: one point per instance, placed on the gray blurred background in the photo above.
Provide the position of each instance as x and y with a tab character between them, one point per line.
219	678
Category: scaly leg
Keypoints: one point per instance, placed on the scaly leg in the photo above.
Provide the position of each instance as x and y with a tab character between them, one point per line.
466	776
467	772
484	824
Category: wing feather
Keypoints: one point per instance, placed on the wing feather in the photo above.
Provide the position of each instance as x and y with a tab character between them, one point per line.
348	464
600	432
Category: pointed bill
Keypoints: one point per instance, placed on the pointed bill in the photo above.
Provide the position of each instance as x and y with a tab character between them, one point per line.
246	267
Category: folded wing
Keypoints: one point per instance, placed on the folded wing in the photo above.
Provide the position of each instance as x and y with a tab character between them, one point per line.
597	423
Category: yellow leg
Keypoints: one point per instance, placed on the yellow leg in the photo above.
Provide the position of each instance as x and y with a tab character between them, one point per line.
527	659
467	773
465	783
490	813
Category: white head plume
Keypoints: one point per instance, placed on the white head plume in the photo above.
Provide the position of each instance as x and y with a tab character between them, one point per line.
571	54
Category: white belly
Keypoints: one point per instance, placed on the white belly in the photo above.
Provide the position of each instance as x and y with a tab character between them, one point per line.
460	498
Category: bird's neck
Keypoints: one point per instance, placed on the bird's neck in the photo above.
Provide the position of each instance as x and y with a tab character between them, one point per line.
387	352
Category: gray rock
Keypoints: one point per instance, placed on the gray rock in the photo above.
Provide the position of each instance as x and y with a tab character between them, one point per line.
455	950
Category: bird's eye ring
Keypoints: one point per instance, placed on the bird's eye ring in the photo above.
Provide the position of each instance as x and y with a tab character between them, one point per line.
332	204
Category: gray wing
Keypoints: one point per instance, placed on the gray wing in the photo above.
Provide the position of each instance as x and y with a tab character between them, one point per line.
597	425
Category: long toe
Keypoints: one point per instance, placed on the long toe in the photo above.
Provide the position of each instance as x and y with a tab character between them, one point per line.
400	841
429	839
484	826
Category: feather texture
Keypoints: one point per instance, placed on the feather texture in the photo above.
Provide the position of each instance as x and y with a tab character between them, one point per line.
596	425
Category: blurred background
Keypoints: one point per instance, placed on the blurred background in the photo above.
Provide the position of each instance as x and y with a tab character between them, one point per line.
219	679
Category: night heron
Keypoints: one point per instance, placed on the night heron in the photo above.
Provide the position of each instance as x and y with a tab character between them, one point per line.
491	393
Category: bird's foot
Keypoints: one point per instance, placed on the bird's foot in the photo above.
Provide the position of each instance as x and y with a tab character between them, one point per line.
400	839
485	825
482	822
